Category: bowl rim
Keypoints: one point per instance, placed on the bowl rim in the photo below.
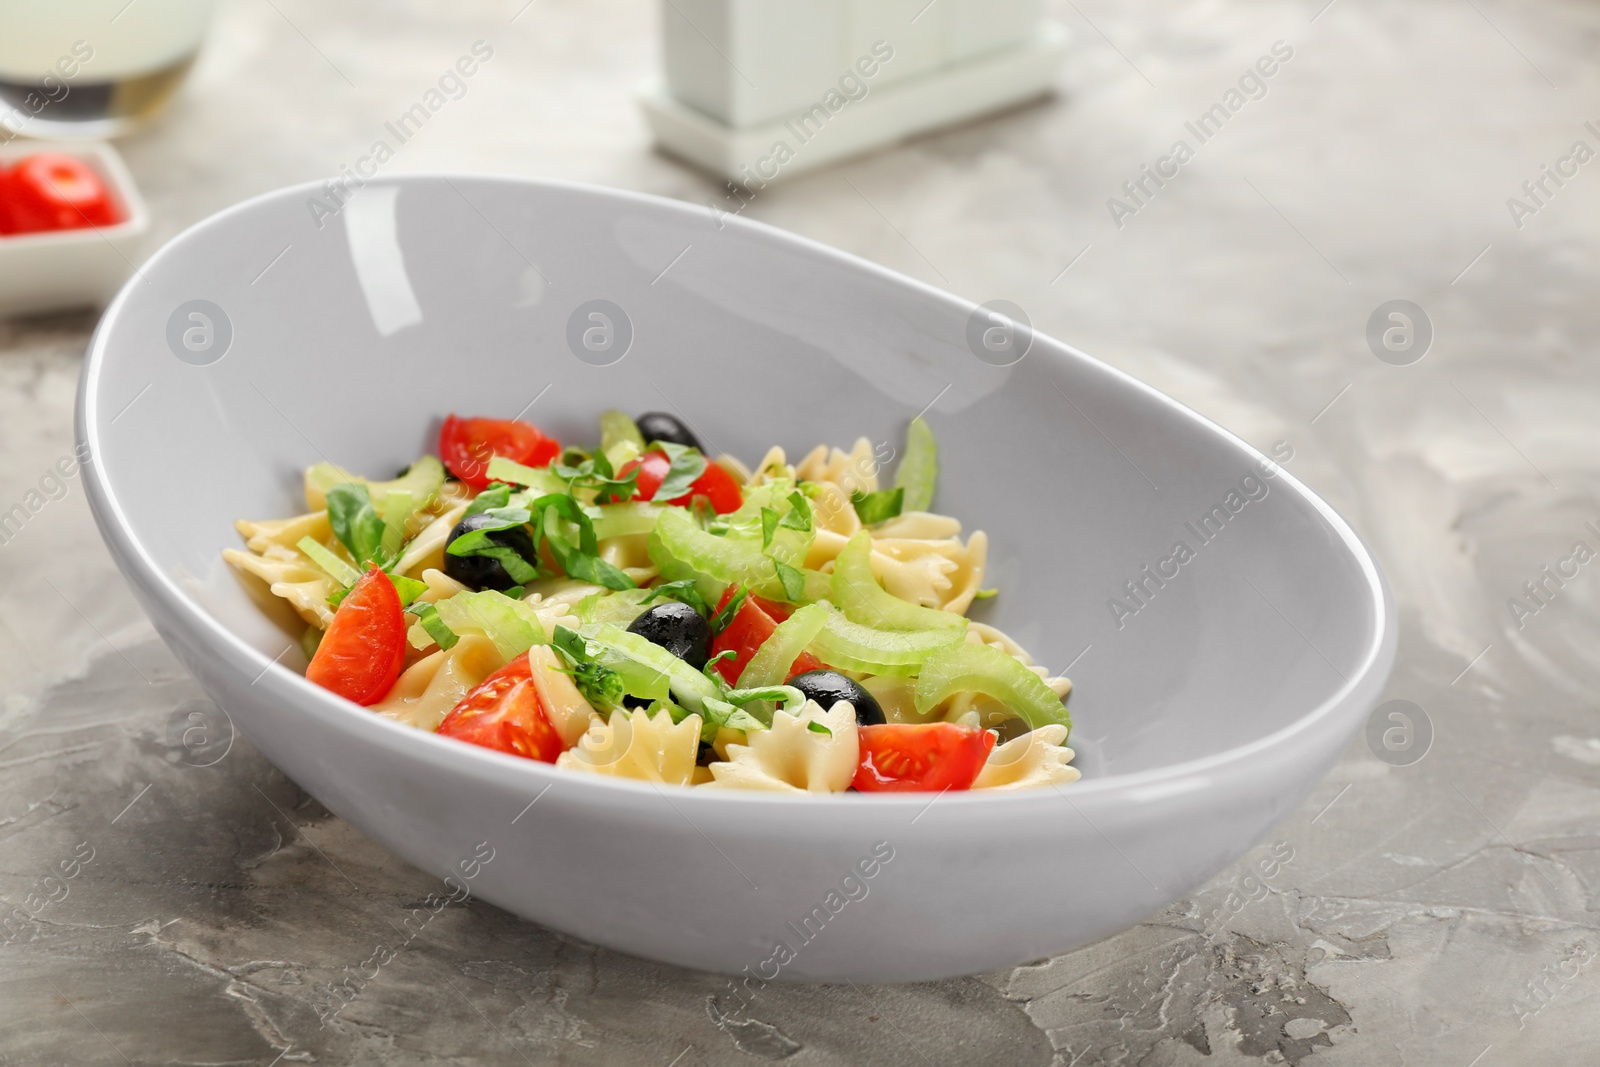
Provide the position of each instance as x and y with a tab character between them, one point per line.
1168	780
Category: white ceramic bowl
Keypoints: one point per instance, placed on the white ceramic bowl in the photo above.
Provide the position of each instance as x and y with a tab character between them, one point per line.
58	269
1201	721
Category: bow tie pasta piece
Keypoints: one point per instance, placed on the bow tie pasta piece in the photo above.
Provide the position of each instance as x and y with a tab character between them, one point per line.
426	550
293	577
427	690
284	532
635	745
852	471
564	706
792	757
1037	758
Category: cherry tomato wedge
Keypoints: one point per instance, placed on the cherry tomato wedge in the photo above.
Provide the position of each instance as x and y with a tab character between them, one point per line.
503	712
467	445
747	631
716	484
930	757
51	191
365	646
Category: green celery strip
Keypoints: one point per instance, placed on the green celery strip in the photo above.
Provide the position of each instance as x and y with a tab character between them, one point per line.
918	472
622	520
617	427
510	624
851	646
337	569
770	665
857	592
969	668
397	508
691	687
678	544
538	479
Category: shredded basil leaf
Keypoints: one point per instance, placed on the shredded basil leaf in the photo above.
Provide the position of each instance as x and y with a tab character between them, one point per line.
687	467
817	728
356	523
497	495
479	542
684	591
794	583
799	515
769	526
985	594
710	669
720	621
434	626
881	506
581	561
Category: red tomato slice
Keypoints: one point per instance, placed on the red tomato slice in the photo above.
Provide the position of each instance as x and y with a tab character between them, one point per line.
716	484
931	757
747	631
467	445
361	654
51	191
504	713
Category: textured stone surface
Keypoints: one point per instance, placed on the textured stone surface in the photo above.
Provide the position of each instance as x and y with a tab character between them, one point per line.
1438	913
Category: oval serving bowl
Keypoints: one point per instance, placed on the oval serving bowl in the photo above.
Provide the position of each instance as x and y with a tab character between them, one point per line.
1205	708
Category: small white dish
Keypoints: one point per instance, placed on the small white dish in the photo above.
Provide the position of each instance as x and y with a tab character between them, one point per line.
58	269
257	343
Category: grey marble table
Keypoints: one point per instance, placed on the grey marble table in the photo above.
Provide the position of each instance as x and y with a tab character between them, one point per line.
1432	911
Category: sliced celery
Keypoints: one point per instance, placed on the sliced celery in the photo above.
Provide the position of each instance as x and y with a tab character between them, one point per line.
397	508
918	472
969	668
510	624
336	568
784	536
619	608
857	592
770	665
538	479
622	520
680	549
617	427
423	480
854	647
691	687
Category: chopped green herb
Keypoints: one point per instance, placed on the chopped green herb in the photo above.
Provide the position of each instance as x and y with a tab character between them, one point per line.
684	591
817	728
799	515
581	561
310	640
880	506
479	542
985	594
687	466
793	582
710	669
497	495
720	621
356	522
769	526
428	616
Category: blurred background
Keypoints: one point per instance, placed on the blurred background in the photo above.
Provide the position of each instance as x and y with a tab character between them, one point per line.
1417	158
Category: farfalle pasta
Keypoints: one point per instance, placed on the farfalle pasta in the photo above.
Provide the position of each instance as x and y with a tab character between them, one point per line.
638	609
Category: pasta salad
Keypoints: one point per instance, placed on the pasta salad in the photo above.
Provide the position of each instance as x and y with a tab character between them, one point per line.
641	610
